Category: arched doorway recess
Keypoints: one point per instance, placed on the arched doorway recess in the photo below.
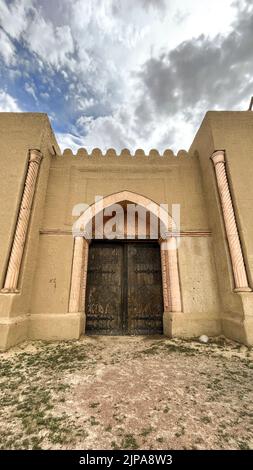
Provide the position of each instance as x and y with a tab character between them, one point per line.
166	237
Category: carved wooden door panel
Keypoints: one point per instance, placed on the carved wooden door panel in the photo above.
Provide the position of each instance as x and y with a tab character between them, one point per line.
124	289
104	285
145	297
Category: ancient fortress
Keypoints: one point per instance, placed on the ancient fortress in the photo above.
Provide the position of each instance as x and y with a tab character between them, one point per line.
56	286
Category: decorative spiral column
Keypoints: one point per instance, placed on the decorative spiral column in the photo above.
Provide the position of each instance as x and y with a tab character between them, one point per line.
170	276
79	275
13	270
234	244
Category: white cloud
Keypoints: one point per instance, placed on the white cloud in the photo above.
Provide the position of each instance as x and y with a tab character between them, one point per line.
8	103
167	99
135	73
53	45
124	129
15	16
85	103
7	49
31	90
45	95
68	140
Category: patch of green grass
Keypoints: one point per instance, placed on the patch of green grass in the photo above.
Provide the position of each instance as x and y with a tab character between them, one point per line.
33	391
108	428
118	418
146	431
171	348
94	405
93	421
180	432
243	445
205	419
129	442
31	384
114	445
151	350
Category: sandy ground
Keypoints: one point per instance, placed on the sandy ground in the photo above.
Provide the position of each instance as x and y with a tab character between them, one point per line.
127	393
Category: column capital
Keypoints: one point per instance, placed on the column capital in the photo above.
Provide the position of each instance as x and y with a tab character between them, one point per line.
83	235
170	276
243	289
162	239
35	156
166	236
218	157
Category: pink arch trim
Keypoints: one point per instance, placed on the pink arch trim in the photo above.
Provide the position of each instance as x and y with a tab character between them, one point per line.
84	220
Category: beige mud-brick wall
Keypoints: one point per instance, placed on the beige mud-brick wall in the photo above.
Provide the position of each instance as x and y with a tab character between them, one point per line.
40	309
20	132
168	179
200	296
232	132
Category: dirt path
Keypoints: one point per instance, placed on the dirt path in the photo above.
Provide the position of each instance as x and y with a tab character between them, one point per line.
127	392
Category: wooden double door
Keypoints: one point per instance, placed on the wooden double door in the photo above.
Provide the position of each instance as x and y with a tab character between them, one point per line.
124	289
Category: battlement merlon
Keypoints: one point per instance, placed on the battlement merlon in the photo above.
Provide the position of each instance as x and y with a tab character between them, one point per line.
125	153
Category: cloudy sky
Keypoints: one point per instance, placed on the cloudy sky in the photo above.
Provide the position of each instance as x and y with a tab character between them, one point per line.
125	73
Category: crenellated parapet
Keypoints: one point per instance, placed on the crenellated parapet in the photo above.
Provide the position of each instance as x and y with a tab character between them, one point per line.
97	153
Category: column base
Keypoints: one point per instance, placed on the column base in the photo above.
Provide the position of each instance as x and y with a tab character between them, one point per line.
56	326
238	329
44	326
5	290
13	331
190	325
242	289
